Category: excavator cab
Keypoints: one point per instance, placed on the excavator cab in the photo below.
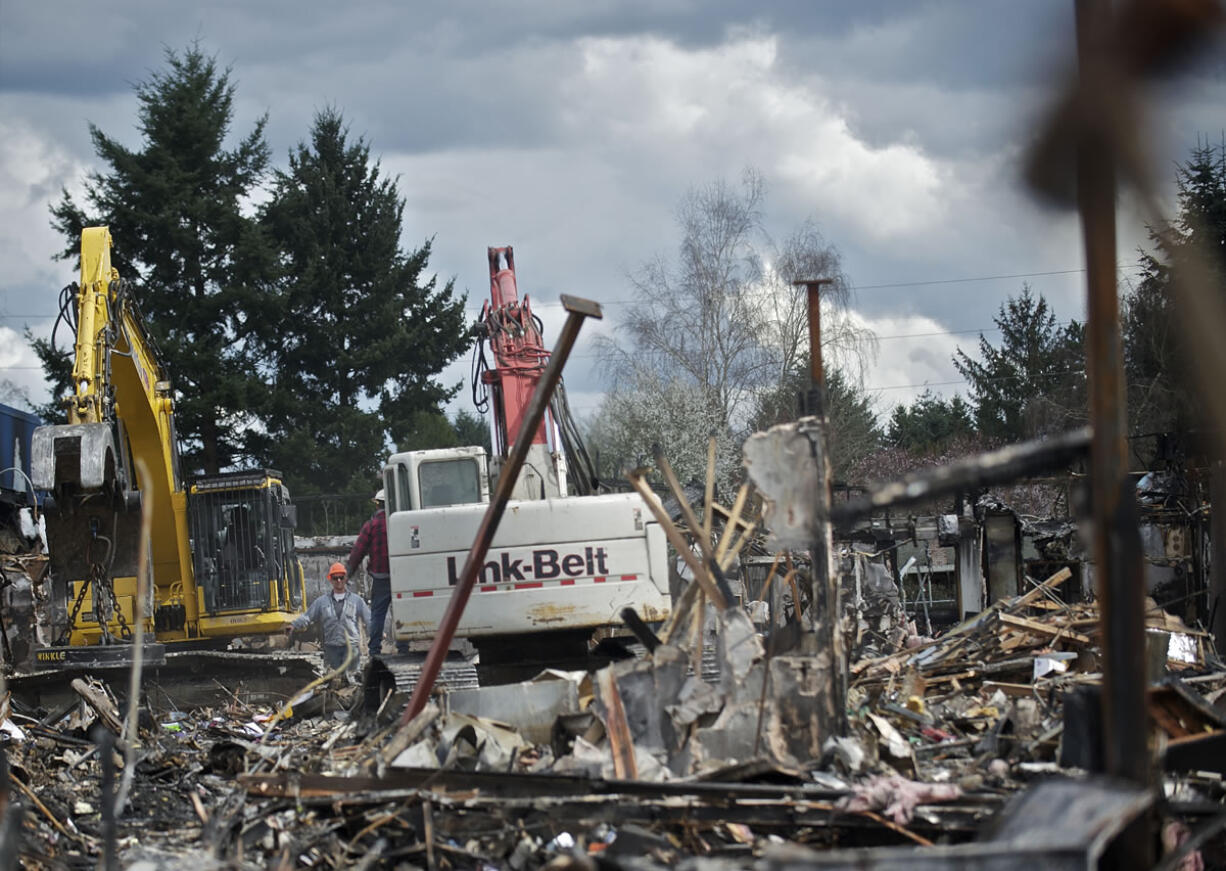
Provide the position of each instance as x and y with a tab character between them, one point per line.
242	532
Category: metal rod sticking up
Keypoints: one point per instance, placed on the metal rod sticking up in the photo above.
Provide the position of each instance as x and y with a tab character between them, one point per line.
578	310
814	402
824	590
1117	555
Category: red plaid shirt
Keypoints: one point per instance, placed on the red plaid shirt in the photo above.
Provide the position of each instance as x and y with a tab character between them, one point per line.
372	542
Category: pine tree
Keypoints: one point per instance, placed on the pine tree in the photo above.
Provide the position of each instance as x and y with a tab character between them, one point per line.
850	415
57	370
1033	383
359	333
471	429
1161	397
174	207
929	423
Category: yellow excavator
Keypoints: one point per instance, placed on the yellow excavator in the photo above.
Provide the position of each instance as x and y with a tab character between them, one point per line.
221	547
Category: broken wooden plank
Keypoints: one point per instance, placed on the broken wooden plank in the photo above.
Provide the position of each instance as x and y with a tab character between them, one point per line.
100	703
1056	631
1016	690
1032	595
696	567
404	736
625	766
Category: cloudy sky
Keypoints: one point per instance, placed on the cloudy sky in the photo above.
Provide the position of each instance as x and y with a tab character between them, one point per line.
570	130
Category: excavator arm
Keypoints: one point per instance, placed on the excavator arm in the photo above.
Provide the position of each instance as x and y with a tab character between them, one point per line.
557	456
120	409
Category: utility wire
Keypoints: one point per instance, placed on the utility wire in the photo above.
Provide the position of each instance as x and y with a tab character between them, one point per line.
970	331
897	284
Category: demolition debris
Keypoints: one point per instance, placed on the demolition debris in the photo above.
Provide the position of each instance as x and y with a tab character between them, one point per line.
969	745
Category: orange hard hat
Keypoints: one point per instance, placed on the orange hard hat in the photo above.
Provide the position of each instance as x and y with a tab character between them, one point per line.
337	569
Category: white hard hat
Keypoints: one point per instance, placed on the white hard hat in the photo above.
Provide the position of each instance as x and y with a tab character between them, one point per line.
379	496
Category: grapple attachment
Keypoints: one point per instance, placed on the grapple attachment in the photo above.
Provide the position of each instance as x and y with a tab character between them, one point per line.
92	515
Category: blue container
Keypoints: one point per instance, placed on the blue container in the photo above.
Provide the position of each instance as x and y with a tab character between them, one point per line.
16	432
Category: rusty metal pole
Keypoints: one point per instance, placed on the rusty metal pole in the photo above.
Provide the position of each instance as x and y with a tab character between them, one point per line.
1217	538
824	589
579	310
814	402
1116	548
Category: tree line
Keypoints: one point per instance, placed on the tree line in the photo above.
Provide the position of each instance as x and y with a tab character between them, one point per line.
715	343
299	334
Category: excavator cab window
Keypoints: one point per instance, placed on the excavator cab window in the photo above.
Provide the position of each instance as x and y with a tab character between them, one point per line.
237	546
396	484
449	482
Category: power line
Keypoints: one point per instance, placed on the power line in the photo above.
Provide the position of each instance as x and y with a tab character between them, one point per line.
939	281
891	285
917	384
966	280
970	331
912	386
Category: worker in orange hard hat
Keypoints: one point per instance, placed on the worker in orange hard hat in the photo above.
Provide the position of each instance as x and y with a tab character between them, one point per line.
338	614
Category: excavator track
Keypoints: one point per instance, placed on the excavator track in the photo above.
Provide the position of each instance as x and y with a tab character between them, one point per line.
182	679
398	675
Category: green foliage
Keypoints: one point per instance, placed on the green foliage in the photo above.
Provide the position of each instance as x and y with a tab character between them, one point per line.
174	207
851	416
57	369
356	330
929	423
471	429
1033	382
1161	392
428	430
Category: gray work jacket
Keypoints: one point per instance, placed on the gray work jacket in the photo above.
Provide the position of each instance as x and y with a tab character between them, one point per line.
323	611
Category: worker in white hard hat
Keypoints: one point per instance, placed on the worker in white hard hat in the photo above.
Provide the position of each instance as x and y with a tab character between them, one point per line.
372	546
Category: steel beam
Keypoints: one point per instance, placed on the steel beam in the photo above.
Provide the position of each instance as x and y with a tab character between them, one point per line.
578	311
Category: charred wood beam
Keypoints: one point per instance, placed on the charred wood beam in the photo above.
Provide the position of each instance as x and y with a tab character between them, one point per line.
640	629
1010	463
492	784
1117	546
481	794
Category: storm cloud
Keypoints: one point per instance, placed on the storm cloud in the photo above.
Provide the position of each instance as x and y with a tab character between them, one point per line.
571	131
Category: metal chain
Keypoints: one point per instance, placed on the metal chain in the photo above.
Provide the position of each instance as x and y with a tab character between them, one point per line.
97	578
72	617
124	632
102	607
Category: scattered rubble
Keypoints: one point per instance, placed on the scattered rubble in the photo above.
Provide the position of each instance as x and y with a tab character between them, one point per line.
642	764
713	744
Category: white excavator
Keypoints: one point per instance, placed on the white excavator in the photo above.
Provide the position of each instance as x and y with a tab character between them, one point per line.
560	566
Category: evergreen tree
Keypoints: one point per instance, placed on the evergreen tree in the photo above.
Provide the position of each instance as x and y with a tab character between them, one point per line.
1033	383
359	332
471	429
429	430
174	207
57	369
929	423
850	415
1161	397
